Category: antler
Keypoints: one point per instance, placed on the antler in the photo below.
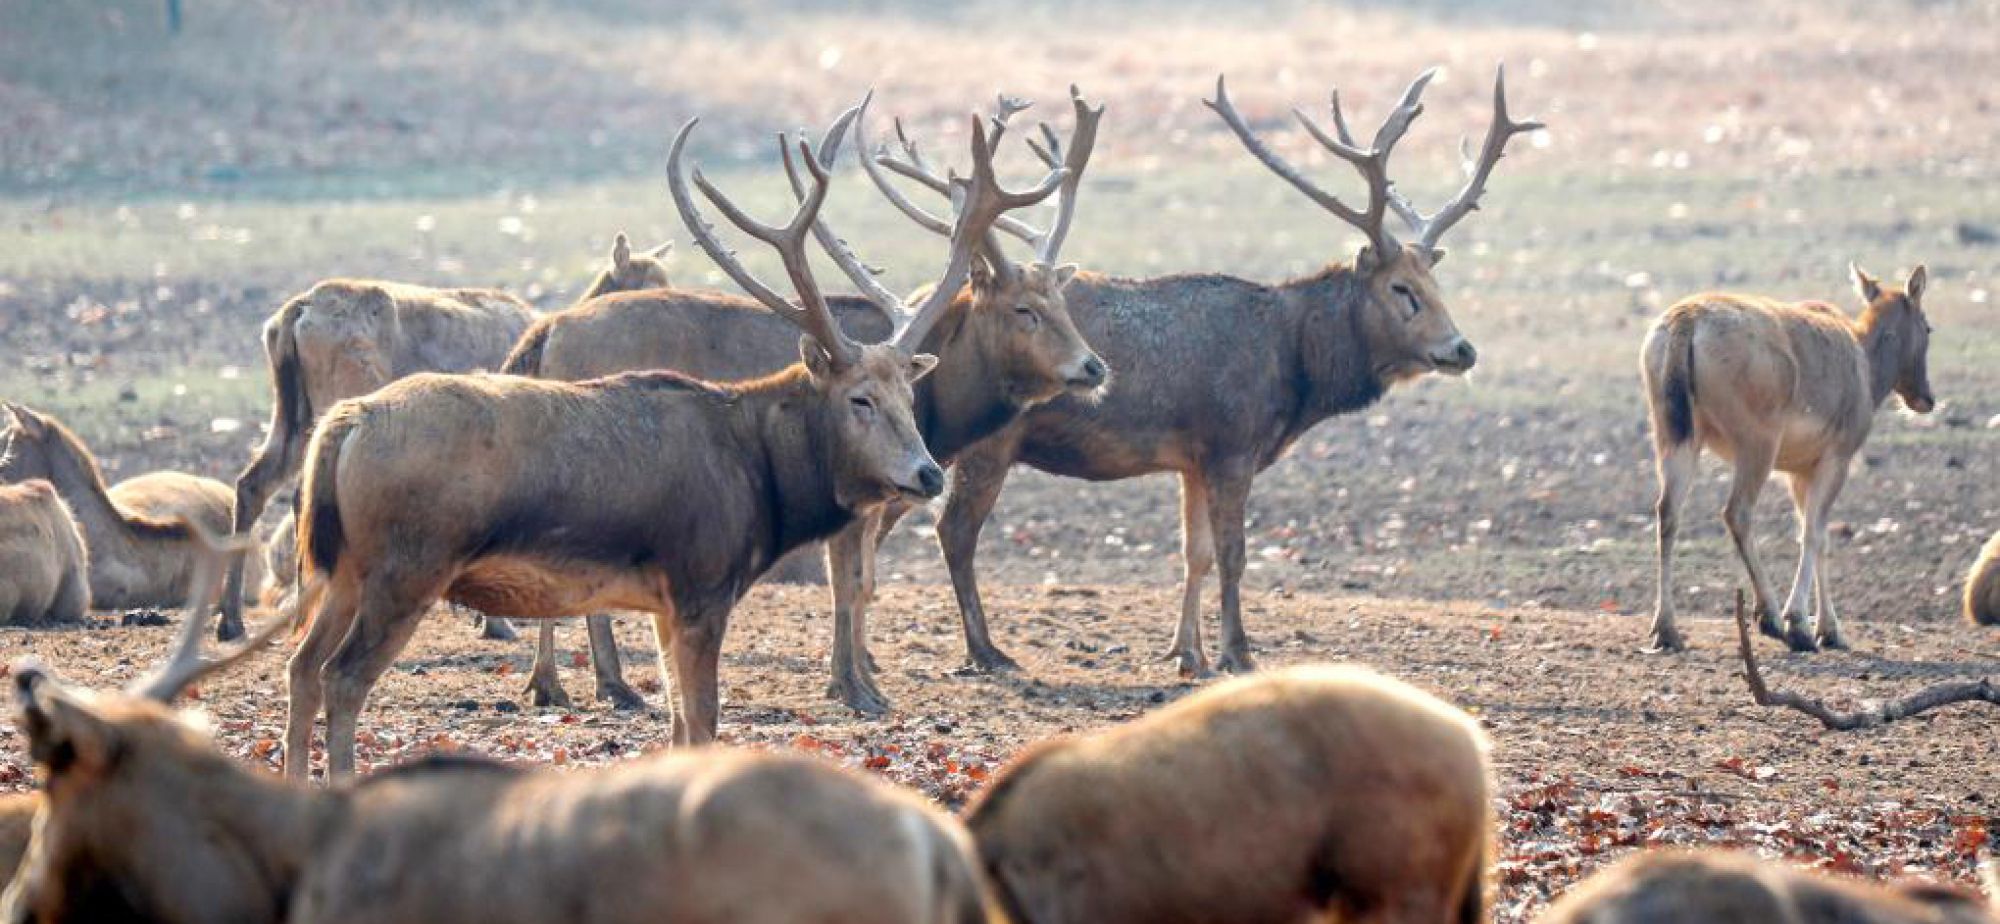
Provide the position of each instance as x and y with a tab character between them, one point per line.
861	274
810	314
1430	230
1081	142
185	665
912	166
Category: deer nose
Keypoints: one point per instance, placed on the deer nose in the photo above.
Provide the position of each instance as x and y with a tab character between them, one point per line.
1094	373
930	479
1466	354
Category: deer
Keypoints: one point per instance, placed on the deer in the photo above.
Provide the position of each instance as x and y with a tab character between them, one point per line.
44	568
1318	792
1218	376
140	557
1006	344
648	491
1982	586
344	338
17	827
1729	887
1771	385
143	818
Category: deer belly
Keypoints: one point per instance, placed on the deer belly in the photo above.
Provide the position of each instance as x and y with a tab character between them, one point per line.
527	587
1803	439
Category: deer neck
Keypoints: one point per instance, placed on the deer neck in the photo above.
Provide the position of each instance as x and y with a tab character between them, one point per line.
1333	370
111	532
1884	364
966	398
796	453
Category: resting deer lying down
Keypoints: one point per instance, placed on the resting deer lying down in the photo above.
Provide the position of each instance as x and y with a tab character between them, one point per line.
1722	887
44	570
1982	586
145	820
1314	791
1790	386
140	556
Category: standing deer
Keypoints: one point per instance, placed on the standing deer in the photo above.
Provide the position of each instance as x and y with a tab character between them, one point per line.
139	555
1315	793
1721	887
143	819
1790	386
1005	345
344	338
645	491
44	569
1982	586
1218	376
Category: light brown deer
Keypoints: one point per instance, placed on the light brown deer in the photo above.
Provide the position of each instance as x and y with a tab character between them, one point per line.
1314	793
145	820
1006	345
1982	586
44	569
17	827
1724	887
1790	386
643	491
139	555
1217	376
344	338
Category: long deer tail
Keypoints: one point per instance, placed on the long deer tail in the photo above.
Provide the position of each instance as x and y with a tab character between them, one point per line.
526	357
1677	384
321	537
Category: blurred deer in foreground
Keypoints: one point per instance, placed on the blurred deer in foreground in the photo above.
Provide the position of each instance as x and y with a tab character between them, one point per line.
1982	586
1004	345
140	555
1217	377
1315	793
1721	887
344	338
44	568
144	819
1790	386
645	491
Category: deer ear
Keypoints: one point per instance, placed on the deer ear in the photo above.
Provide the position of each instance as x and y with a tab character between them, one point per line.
1864	284
1919	278
818	361
621	250
1436	255
1366	261
28	421
63	731
921	365
660	252
982	272
1064	275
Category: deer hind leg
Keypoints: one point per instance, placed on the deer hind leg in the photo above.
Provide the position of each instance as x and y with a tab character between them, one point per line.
305	673
389	614
1827	480
1197	557
608	668
544	685
847	555
1228	503
1677	467
975	485
1753	468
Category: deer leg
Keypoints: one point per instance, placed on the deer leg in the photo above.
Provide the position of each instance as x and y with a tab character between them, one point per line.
696	648
846	555
388	617
1197	556
892	514
273	462
1826	485
305	672
1228	502
1677	465
1753	468
975	485
544	685
608	668
495	628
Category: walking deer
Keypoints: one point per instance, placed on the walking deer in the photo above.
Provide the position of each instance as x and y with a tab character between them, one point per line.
1217	377
1982	586
1722	887
145	820
1790	386
1312	793
44	569
645	491
344	338
1004	345
139	555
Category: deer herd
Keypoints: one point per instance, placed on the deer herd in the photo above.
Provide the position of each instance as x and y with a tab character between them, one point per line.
660	449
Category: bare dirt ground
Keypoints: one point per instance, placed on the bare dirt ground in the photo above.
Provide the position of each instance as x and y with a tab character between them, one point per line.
1490	541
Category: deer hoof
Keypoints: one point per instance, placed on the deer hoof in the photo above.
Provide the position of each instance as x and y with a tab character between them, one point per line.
544	692
621	696
1191	663
1769	626
1236	661
1800	639
496	629
1833	641
229	628
858	694
990	660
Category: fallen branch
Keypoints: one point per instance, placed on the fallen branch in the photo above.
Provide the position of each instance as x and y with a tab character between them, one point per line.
1924	700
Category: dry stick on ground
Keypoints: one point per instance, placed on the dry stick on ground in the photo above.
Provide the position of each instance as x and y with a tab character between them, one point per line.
1924	700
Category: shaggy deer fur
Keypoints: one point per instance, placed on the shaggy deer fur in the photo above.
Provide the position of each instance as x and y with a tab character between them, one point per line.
1005	345
1982	586
1777	385
1312	793
44	569
139	555
1722	887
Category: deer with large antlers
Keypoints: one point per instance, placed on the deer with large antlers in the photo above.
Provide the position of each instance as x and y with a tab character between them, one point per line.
142	818
1004	345
1218	376
647	491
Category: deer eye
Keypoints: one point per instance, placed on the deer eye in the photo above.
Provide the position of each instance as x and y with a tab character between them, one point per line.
1027	316
1409	297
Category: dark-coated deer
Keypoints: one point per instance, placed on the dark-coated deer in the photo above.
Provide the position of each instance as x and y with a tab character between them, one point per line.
1218	376
1004	346
1785	386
